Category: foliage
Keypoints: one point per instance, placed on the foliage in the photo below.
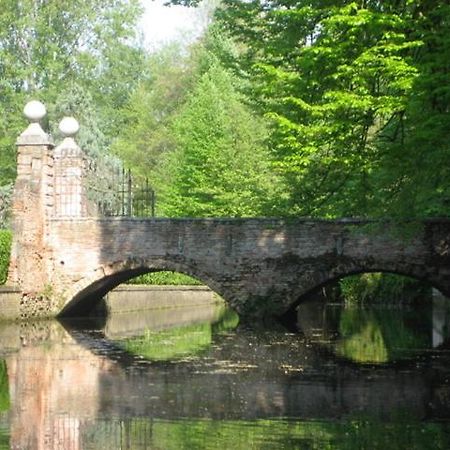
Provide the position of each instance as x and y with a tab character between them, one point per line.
4	387
366	346
75	100
322	108
171	343
220	165
228	322
179	342
146	117
165	278
414	163
5	249
349	433
380	336
382	288
357	93
190	131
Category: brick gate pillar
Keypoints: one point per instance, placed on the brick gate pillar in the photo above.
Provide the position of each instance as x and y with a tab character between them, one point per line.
32	205
70	174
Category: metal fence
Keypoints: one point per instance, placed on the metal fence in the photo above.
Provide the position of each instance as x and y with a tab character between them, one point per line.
117	192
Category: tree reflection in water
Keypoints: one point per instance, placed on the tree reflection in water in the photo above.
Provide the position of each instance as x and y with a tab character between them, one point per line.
375	335
380	336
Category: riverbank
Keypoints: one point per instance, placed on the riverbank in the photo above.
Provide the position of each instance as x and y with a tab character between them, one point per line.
131	298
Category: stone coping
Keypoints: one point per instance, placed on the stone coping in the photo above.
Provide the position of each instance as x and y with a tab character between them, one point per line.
236	220
6	288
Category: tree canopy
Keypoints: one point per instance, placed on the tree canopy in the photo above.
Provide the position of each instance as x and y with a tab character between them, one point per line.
319	108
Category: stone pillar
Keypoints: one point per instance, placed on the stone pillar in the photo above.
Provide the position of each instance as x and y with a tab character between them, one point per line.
32	205
70	183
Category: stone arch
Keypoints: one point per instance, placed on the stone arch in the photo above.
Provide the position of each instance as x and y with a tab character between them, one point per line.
342	270
82	296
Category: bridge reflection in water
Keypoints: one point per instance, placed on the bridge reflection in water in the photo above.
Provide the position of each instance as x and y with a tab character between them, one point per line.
90	387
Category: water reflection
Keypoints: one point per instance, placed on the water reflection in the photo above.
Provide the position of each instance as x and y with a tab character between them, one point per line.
177	342
204	385
376	335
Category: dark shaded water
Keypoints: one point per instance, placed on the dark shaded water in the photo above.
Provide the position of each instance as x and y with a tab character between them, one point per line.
350	379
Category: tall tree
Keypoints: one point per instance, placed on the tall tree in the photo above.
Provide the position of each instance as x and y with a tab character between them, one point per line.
190	131
413	174
145	119
46	46
220	164
349	87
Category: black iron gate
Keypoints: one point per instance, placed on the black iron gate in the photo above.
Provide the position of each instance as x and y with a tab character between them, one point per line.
120	193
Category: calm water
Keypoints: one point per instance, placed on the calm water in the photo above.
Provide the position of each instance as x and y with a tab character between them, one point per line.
195	379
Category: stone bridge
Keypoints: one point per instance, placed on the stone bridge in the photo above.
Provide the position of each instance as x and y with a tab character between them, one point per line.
64	258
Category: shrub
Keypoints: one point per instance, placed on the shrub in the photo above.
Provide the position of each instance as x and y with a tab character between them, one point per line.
165	278
382	288
5	251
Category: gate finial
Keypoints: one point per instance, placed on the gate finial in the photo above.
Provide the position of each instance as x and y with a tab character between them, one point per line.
34	134
69	127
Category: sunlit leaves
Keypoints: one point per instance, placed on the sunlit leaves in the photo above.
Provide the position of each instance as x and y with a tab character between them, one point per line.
220	166
338	81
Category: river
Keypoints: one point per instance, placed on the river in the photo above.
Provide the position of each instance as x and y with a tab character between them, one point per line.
194	378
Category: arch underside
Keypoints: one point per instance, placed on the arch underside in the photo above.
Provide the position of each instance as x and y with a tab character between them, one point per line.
324	277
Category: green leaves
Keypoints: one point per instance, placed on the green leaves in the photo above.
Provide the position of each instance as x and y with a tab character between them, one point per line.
220	167
324	108
5	249
190	129
338	81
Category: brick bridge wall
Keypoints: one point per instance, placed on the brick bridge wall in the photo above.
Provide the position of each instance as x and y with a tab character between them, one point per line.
260	266
63	261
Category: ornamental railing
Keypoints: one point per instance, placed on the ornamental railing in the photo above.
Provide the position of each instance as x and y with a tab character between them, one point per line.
118	192
99	186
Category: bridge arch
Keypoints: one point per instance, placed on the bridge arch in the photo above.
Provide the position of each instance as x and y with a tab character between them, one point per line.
354	267
83	295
